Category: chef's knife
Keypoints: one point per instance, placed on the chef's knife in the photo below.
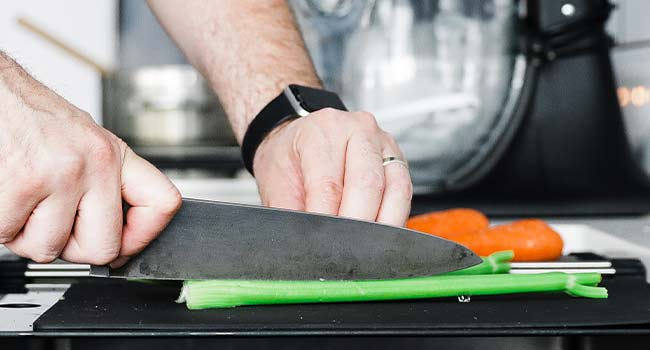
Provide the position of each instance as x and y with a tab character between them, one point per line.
217	240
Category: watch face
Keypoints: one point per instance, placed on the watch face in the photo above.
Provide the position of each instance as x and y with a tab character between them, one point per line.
314	99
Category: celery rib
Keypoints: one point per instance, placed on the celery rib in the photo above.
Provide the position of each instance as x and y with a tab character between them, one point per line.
231	293
488	278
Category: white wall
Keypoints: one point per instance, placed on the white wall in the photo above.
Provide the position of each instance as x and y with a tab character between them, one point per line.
89	26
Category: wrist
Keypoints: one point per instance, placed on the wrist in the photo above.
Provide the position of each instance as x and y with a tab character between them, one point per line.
293	102
253	99
271	139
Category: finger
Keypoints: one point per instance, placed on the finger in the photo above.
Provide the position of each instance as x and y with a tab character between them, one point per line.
364	178
396	203
18	202
322	165
97	229
47	230
153	199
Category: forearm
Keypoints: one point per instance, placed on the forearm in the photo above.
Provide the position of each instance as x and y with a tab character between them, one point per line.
20	91
9	69
6	61
17	88
249	50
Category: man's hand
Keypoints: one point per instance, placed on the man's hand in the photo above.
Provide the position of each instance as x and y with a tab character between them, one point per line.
63	179
330	162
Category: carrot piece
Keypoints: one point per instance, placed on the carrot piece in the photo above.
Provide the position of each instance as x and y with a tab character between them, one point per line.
449	223
531	239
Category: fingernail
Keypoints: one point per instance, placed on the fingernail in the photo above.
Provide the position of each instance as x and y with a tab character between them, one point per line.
119	262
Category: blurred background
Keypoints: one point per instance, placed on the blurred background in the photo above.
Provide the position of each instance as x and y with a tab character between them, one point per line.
445	77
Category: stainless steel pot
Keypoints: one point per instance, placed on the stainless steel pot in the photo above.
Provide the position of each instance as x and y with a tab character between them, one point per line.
167	105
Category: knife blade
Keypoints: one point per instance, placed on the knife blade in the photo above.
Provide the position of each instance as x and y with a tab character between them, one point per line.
219	240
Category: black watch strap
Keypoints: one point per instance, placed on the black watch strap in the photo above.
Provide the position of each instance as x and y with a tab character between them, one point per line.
295	101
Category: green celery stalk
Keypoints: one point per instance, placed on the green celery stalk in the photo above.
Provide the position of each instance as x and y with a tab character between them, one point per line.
230	293
497	262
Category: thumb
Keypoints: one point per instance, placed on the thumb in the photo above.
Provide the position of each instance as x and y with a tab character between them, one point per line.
153	201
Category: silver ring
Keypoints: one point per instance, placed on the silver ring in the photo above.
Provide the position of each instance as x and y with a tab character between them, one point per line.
390	160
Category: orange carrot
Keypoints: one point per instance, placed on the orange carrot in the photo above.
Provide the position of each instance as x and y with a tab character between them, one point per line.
531	239
449	223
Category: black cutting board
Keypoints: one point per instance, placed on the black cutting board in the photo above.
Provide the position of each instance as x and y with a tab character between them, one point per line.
115	305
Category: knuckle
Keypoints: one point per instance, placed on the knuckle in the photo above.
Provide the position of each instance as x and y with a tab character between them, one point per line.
391	141
33	185
323	121
44	256
328	112
81	114
9	228
102	148
6	236
371	181
329	190
104	152
367	119
45	251
102	256
121	145
71	165
328	119
332	187
100	252
171	201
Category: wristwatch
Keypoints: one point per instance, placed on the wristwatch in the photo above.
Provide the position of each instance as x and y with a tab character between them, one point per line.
295	101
